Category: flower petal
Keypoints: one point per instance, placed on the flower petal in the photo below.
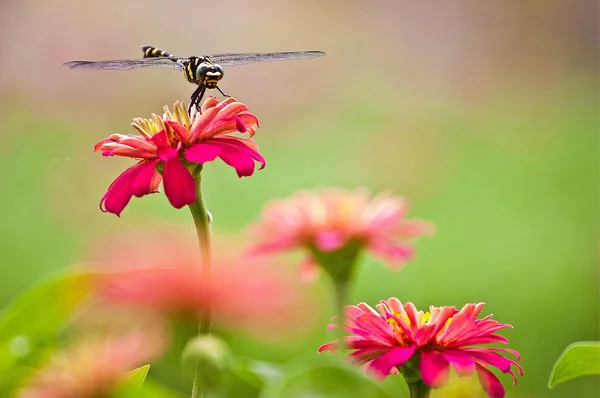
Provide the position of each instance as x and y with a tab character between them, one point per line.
393	253
490	383
331	347
397	356
202	153
232	125
414	228
249	147
231	109
180	131
462	362
373	328
368	354
125	151
434	369
330	240
213	102
179	184
198	130
243	165
166	153
309	269
239	125
274	246
126	145
121	190
160	139
439	317
143	183
238	155
472	310
491	358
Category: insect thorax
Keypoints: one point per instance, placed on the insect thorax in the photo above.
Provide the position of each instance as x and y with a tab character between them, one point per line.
191	66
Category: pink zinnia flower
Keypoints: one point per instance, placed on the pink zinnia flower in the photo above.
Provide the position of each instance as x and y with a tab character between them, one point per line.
237	294
171	146
94	367
400	336
328	220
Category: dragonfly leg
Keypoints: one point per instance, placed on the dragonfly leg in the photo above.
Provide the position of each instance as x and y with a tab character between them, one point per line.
196	98
221	91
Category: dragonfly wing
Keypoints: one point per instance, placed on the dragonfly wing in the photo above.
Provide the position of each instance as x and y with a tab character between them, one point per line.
127	64
249	58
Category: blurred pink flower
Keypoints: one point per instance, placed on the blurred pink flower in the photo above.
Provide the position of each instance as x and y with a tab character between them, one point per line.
95	367
239	295
169	146
398	335
329	219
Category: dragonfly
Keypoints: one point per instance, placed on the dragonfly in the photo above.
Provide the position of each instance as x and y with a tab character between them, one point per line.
205	71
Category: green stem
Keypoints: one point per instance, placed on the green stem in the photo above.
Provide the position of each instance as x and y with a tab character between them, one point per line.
202	222
340	264
341	300
419	390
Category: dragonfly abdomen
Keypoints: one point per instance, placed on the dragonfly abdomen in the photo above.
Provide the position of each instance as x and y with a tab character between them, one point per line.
153	52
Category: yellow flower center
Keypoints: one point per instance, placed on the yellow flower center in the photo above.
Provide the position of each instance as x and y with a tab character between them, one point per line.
448	322
149	127
423	318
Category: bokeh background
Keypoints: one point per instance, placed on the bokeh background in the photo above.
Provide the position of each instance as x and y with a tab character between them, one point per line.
485	115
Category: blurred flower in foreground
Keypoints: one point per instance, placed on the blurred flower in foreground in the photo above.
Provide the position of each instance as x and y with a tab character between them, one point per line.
170	149
238	295
340	220
95	367
157	267
422	346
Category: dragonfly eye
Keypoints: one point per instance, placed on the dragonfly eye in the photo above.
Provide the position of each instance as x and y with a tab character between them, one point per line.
209	75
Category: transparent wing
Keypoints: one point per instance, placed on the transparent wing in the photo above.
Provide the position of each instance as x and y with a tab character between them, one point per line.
241	59
128	64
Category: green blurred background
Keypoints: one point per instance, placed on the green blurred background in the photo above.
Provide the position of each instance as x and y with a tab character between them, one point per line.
484	115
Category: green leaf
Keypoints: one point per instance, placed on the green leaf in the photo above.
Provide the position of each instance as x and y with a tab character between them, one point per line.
137	376
578	359
41	311
30	325
241	380
266	371
326	379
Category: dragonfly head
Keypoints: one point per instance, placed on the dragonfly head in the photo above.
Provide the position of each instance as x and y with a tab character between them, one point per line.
209	74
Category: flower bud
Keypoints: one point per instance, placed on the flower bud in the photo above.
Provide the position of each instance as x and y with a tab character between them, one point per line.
210	355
